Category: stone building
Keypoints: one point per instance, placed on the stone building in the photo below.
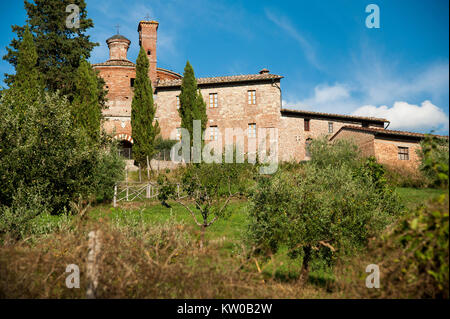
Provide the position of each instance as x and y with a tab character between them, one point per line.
397	149
245	102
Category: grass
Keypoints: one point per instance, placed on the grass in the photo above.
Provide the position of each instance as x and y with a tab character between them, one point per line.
140	231
413	197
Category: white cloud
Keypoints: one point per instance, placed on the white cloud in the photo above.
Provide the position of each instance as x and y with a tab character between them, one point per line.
326	98
325	93
405	116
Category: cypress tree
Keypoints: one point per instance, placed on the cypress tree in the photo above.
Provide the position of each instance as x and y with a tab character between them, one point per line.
143	113
27	84
192	105
26	76
59	48
86	110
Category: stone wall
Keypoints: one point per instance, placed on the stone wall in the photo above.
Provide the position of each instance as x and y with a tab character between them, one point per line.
233	110
386	152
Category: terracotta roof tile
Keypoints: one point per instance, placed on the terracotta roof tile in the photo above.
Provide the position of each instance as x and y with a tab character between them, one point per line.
311	113
384	132
222	79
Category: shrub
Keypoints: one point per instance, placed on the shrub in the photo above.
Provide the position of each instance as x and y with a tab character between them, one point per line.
42	155
328	210
434	154
413	256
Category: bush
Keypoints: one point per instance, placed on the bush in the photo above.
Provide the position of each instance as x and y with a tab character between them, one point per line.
413	256
434	154
332	208
43	156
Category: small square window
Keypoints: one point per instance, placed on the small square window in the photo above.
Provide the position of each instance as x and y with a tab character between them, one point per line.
403	153
213	101
132	82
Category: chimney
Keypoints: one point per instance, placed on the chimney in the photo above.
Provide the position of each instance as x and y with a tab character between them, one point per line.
264	71
147	40
118	47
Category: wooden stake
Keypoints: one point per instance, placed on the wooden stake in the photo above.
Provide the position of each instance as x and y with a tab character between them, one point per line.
148	169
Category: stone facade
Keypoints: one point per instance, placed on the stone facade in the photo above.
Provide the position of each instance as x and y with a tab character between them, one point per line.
243	102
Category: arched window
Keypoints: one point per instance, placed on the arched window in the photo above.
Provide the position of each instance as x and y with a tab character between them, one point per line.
125	149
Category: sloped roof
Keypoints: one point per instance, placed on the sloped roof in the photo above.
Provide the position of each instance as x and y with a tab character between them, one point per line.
380	131
331	115
222	79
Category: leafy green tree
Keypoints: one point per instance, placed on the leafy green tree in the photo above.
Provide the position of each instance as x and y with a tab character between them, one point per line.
59	48
143	111
192	105
325	210
86	110
207	186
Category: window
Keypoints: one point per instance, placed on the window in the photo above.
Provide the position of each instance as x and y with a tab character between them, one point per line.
252	130
252	97
178	134
365	124
330	127
149	52
132	82
403	153
213	100
178	102
306	125
213	133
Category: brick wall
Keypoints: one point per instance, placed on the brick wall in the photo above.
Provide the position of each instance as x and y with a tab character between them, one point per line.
386	152
364	141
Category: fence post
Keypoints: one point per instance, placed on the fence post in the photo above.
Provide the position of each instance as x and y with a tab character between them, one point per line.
115	196
147	193
178	190
140	179
148	169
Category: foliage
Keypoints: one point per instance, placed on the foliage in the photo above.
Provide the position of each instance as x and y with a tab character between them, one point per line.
423	237
143	113
164	144
192	105
327	210
86	110
414	253
27	77
401	177
41	150
342	152
434	154
59	49
205	185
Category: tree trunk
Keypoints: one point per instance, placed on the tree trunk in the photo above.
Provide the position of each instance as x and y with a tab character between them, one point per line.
305	264
202	238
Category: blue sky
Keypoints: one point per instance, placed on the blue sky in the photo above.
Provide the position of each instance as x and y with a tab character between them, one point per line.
330	60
